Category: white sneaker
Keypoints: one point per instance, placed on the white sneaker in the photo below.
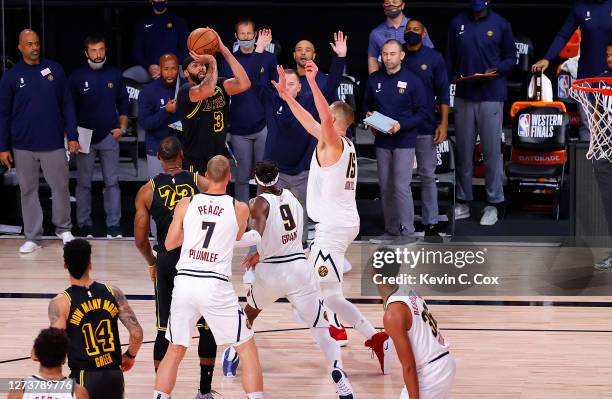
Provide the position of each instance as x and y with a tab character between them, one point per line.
462	211
29	247
489	217
343	386
66	236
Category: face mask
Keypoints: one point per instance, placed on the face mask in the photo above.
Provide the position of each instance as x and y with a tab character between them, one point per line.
160	5
412	38
392	11
479	5
247	44
96	66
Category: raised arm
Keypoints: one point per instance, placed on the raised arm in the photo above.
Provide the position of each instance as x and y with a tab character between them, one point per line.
174	238
240	82
207	87
304	117
128	319
328	133
143	202
397	322
58	310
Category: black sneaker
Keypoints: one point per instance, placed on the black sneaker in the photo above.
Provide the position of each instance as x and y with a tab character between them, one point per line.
113	232
431	234
86	231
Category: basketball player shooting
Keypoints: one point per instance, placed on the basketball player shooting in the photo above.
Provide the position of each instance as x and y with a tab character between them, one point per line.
206	226
428	368
330	202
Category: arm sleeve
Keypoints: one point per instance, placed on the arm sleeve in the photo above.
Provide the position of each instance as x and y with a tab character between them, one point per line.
441	86
508	53
419	109
6	107
123	100
333	78
138	47
373	49
149	116
68	111
567	30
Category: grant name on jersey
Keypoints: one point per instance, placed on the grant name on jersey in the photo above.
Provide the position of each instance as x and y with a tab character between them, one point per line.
289	237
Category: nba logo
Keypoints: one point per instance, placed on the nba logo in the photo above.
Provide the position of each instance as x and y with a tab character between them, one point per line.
524	125
563	86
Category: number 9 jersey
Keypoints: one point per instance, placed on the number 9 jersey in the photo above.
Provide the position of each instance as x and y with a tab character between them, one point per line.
92	328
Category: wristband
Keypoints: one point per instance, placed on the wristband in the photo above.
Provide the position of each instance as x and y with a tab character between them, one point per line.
128	354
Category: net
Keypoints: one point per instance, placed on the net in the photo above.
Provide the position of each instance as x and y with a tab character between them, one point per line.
595	96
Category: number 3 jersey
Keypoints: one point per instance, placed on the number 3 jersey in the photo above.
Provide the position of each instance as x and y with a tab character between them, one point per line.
92	328
425	337
210	228
331	190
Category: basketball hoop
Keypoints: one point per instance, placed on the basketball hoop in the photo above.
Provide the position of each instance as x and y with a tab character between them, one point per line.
595	96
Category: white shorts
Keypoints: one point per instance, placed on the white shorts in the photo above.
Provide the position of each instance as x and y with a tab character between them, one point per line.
216	301
435	379
294	280
329	249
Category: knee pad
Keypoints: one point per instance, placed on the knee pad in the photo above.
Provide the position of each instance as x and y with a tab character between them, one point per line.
161	346
207	347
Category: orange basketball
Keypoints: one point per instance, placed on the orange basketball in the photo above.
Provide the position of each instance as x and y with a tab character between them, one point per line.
203	41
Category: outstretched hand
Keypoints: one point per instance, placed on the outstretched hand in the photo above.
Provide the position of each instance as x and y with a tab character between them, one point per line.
281	85
311	71
264	38
339	44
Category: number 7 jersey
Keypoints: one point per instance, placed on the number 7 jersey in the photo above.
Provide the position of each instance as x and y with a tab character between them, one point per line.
331	190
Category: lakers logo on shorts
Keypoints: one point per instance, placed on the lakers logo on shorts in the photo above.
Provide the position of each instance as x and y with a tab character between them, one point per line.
323	270
50	78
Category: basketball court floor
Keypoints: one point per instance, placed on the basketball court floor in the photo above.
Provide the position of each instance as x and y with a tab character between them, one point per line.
504	346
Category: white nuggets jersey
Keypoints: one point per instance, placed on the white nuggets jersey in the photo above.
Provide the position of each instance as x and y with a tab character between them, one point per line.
425	337
331	190
37	387
282	238
210	228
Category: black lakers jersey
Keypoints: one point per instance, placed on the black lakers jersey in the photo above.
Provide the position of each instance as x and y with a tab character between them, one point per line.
92	328
167	192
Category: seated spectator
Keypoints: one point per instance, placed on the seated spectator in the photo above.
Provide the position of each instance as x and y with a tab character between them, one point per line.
393	28
247	121
156	34
102	104
36	112
398	94
157	110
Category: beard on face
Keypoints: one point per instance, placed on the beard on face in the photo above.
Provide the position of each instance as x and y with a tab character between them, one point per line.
195	78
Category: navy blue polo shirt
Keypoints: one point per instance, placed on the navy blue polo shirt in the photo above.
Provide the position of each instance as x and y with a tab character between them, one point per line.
246	109
475	46
99	98
429	66
36	107
400	96
595	22
155	35
152	114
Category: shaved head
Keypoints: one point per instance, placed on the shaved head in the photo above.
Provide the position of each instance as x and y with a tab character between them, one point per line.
218	169
29	46
303	52
168	57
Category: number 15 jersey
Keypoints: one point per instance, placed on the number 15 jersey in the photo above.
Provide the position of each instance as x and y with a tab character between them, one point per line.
209	233
330	198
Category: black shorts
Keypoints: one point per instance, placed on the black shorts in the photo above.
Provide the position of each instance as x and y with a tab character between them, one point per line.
164	284
101	384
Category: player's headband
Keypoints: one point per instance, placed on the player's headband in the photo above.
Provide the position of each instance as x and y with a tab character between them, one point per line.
273	182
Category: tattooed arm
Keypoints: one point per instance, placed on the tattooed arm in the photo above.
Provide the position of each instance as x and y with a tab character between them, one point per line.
58	312
128	318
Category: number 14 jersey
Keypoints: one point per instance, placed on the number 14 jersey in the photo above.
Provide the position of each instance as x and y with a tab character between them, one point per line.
330	197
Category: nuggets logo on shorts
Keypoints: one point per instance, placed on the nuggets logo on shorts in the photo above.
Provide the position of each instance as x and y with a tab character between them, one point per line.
323	271
110	85
50	78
